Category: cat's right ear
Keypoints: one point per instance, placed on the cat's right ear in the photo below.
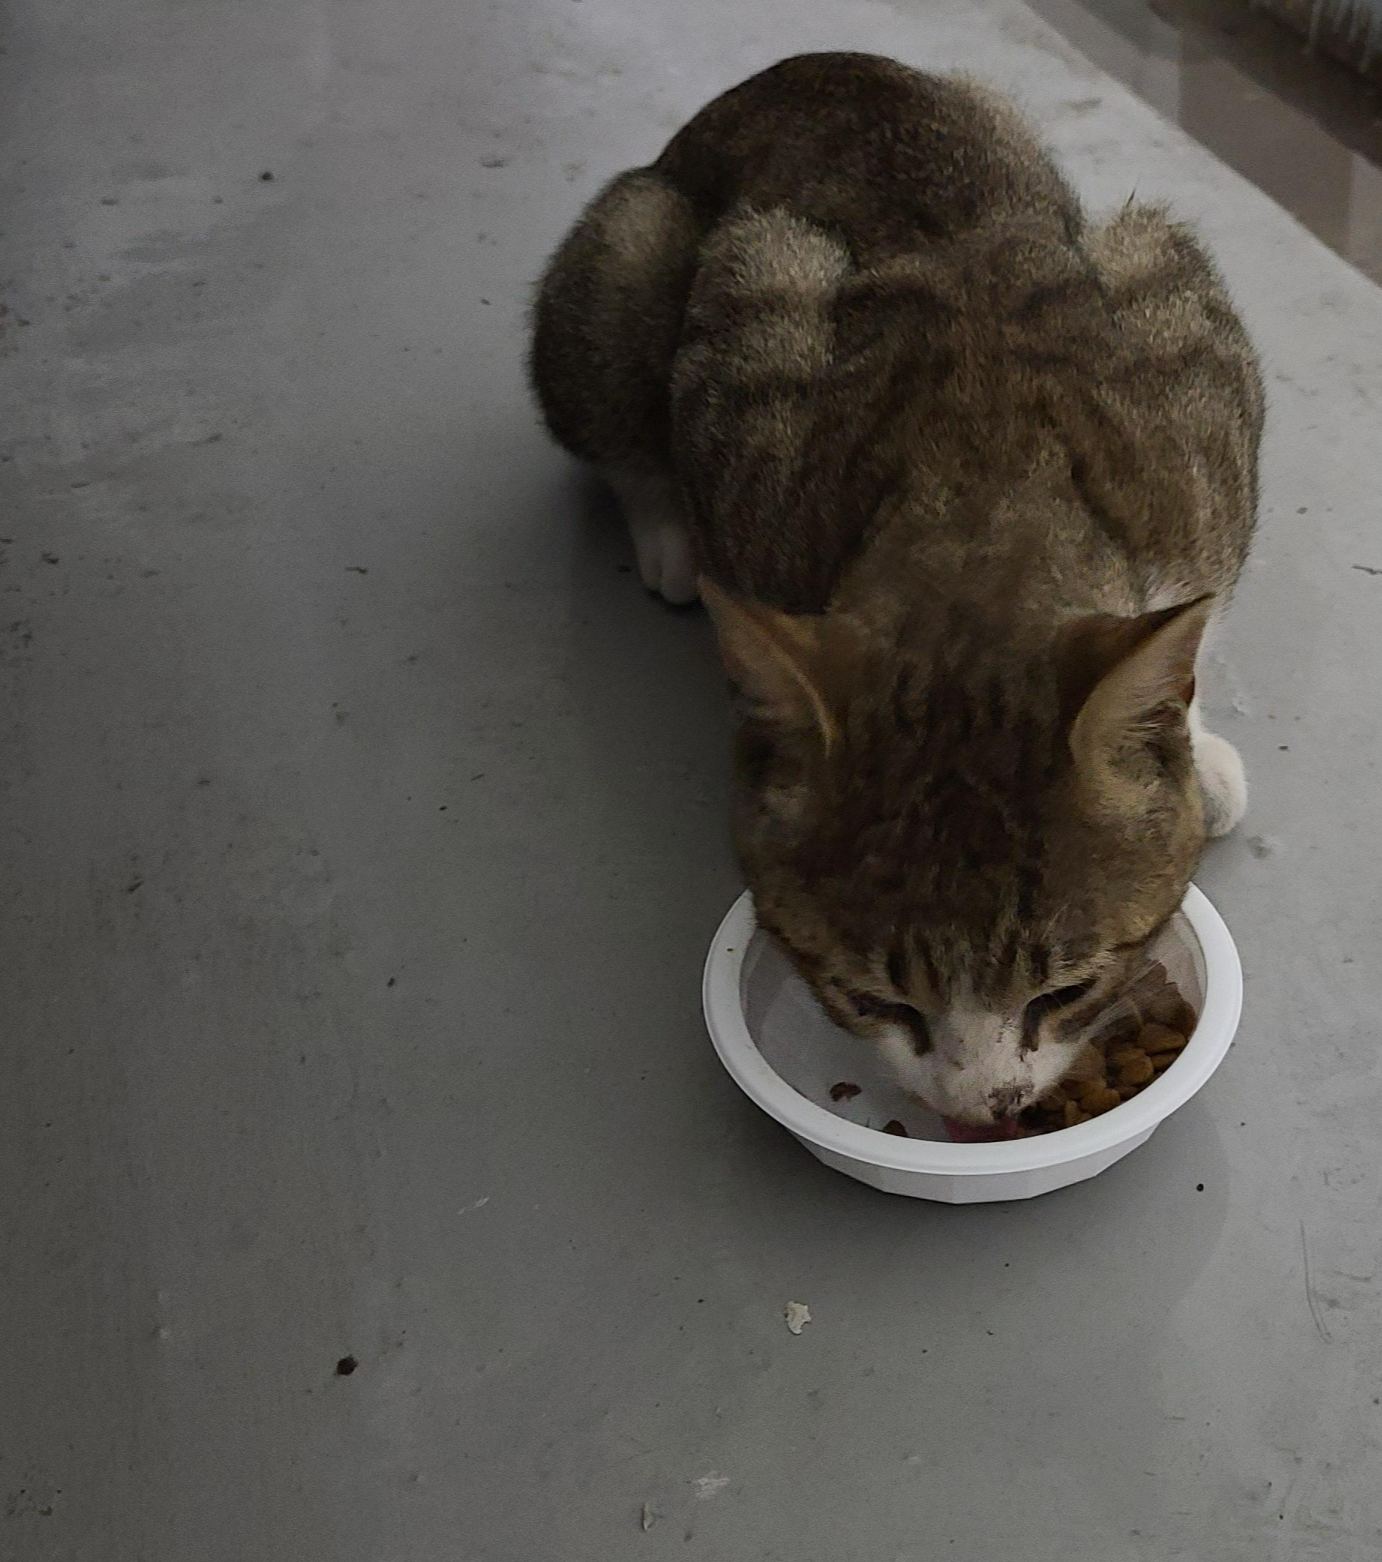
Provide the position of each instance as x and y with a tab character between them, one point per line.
1136	678
777	660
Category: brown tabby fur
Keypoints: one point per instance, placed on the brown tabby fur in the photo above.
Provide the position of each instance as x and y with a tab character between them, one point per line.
965	476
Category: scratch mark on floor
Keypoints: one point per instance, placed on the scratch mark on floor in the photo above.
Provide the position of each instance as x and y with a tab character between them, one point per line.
1310	1297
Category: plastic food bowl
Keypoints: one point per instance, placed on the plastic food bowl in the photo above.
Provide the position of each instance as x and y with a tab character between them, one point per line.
785	1054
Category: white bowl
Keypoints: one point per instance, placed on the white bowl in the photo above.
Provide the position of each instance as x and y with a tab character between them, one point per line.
784	1054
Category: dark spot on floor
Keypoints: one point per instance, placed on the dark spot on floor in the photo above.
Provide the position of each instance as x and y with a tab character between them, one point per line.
345	1366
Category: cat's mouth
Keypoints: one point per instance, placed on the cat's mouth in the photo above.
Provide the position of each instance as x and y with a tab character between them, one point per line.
982	1133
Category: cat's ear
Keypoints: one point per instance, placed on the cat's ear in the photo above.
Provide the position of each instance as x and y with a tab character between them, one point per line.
779	661
1136	677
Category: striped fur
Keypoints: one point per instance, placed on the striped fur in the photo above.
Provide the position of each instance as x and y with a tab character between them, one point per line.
966	477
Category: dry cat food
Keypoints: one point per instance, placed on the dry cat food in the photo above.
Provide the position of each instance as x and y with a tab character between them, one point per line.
844	1090
1154	1024
894	1127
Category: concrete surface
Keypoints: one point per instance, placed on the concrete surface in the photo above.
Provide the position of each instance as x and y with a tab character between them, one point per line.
364	828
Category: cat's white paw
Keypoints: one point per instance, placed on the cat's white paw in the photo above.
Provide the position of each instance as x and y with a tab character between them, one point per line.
665	563
661	542
1222	781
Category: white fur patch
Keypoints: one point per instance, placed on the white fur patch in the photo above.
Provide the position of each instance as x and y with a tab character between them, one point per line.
1166	593
1223	780
661	541
977	1060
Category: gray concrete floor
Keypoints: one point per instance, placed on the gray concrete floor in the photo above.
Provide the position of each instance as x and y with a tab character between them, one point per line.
364	828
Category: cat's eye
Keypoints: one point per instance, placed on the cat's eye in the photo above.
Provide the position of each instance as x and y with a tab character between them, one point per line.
1053	1002
913	1021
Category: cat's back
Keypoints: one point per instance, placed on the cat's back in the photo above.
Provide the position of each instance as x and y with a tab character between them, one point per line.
883	155
1084	437
906	350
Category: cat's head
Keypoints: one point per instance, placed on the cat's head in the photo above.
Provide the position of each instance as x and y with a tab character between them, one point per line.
965	853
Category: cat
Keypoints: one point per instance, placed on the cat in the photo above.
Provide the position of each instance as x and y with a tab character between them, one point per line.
963	479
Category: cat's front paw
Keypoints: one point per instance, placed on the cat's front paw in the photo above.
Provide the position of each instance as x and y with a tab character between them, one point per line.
661	542
1223	782
665	562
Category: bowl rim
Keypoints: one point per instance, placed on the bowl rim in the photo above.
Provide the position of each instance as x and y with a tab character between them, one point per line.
729	1032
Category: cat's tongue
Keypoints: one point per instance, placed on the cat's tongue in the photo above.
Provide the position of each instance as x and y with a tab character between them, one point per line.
974	1133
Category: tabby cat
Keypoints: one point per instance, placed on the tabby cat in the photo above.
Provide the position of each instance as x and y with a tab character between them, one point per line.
963	478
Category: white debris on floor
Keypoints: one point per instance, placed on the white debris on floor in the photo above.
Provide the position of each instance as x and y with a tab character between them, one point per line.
798	1315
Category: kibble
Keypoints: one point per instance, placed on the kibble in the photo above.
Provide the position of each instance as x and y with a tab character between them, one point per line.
1102	1099
1136	1071
1169	1009
1127	1059
1160	1038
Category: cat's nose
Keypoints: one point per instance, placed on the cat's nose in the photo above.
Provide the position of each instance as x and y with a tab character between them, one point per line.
1007	1100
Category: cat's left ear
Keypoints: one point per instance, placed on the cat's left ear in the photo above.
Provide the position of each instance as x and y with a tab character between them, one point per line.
1137	674
783	663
